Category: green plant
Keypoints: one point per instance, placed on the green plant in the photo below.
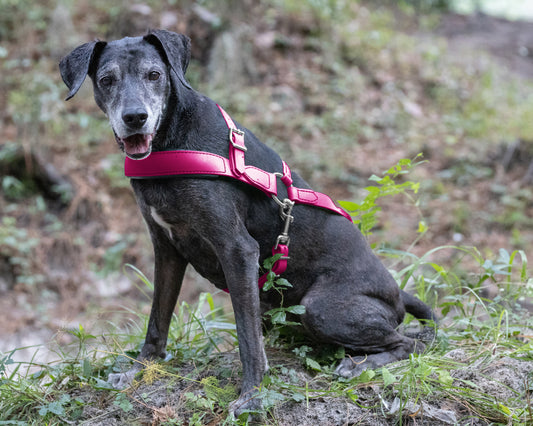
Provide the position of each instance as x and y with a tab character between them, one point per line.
23	397
221	395
278	316
365	214
60	407
82	337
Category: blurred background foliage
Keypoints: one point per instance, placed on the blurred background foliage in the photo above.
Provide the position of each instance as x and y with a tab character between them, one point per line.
343	89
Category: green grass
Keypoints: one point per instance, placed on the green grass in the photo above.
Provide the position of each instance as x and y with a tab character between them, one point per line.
486	330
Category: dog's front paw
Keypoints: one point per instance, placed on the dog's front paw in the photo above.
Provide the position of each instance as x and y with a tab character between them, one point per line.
122	380
246	403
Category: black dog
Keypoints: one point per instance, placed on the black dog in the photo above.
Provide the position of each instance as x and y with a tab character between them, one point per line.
225	228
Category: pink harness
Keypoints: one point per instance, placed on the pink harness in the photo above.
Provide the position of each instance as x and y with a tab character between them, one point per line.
182	162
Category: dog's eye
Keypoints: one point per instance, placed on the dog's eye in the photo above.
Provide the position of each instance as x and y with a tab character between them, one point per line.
106	81
153	76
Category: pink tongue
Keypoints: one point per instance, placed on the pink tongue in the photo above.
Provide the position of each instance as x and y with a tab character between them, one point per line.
137	144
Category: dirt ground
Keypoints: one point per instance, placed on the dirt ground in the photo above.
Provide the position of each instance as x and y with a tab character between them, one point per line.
375	405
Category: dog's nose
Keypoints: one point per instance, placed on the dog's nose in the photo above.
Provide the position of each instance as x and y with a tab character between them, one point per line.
135	118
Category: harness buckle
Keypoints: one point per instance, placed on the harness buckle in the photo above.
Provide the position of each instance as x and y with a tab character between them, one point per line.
236	145
285	207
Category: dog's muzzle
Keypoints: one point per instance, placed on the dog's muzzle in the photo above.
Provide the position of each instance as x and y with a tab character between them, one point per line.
137	146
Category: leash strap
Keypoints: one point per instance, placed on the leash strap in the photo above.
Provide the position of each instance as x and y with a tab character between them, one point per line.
279	265
183	162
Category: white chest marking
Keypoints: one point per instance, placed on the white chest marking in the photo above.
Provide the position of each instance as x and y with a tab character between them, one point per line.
159	220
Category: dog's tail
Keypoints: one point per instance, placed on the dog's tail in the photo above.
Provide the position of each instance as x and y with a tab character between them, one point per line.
424	314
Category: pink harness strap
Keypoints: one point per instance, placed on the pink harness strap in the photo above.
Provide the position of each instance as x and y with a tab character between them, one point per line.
182	162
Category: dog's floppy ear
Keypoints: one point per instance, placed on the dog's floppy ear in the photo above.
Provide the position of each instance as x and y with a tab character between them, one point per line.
176	47
76	65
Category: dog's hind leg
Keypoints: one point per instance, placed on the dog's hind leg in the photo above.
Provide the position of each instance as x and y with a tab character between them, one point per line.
168	276
364	325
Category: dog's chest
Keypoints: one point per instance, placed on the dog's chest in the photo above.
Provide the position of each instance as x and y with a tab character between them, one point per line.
189	241
167	227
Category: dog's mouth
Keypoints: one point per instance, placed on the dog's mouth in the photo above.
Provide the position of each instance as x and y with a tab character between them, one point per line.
136	147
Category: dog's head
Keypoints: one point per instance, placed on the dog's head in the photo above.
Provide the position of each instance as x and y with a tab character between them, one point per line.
132	80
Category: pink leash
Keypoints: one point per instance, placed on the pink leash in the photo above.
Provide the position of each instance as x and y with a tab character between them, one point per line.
183	162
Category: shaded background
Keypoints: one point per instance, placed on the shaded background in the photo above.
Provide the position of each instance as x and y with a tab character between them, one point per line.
341	89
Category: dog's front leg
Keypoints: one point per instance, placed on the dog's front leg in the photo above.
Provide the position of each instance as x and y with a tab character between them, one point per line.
168	276
241	272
